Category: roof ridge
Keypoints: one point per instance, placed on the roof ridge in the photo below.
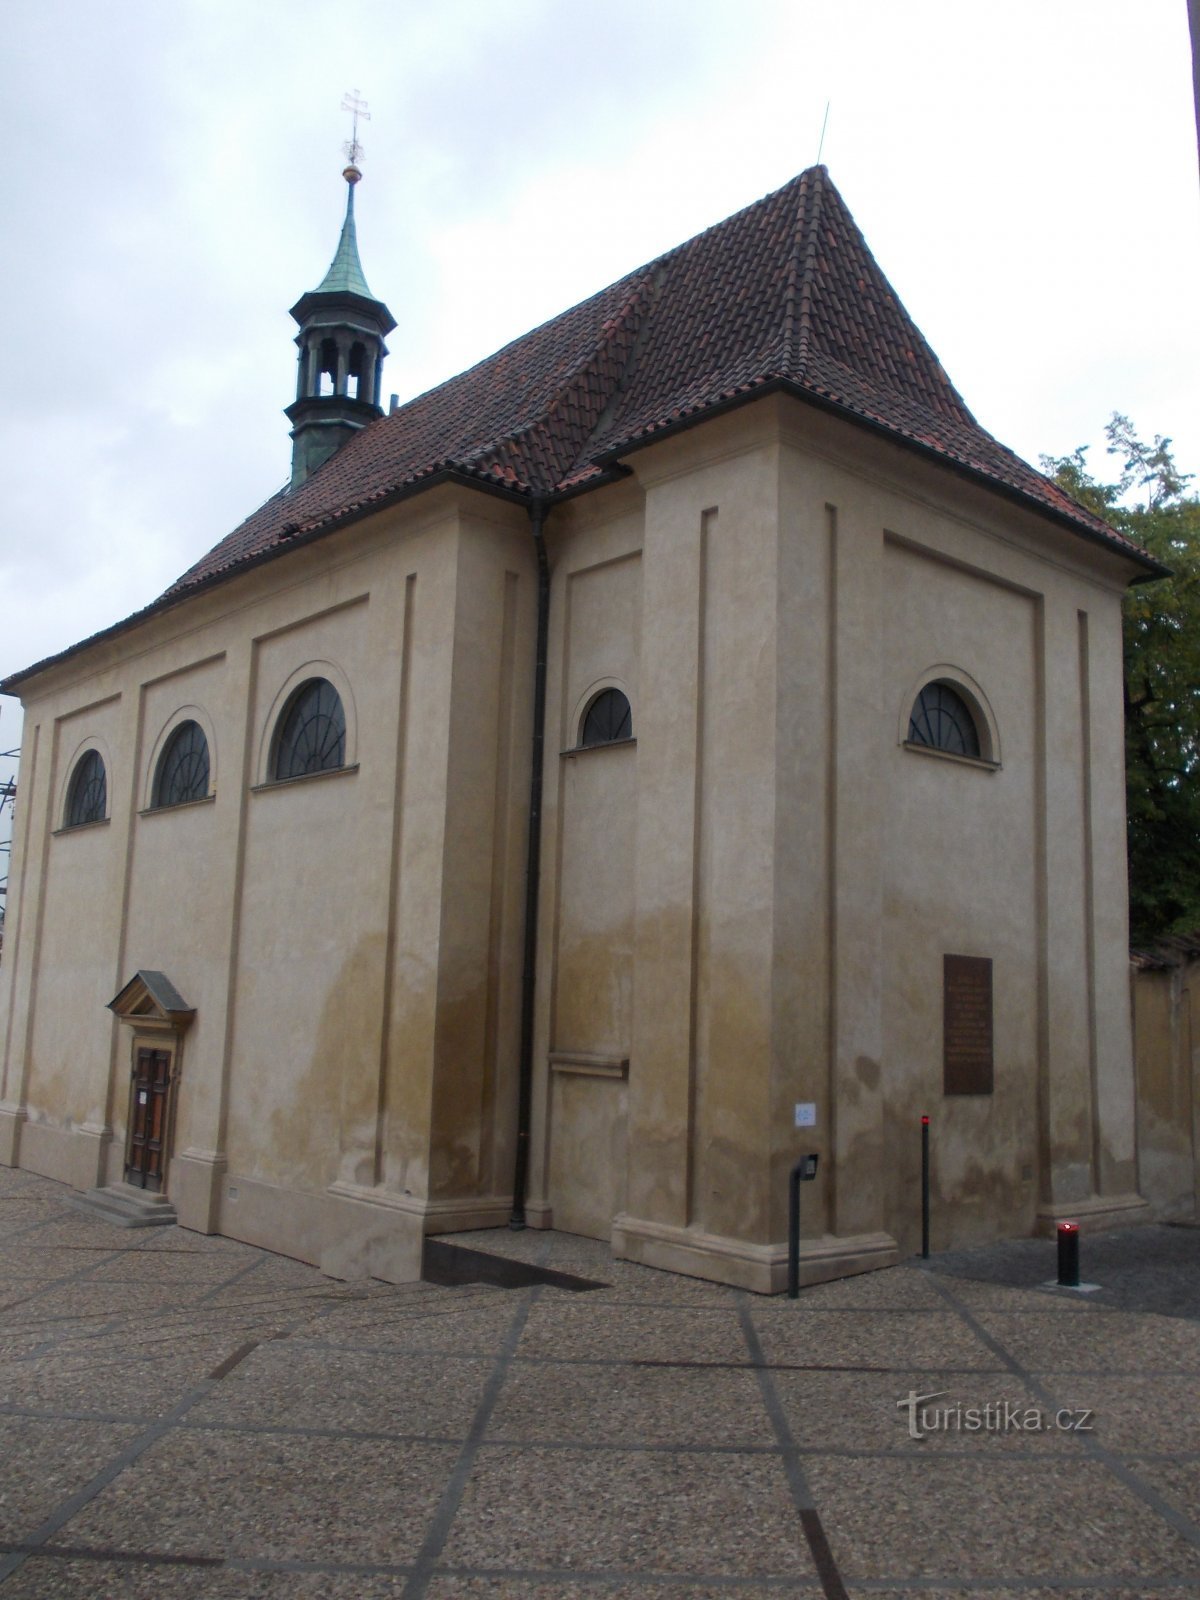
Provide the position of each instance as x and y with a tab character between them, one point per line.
573	388
798	354
648	292
909	368
784	291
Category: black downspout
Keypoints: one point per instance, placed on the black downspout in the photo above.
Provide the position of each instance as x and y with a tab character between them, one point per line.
537	516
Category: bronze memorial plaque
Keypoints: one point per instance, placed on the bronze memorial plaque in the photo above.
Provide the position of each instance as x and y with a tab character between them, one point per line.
966	1025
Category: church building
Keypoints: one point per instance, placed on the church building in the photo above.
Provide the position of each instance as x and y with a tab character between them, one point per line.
684	742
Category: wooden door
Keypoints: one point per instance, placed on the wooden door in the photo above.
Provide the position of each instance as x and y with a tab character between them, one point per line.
148	1119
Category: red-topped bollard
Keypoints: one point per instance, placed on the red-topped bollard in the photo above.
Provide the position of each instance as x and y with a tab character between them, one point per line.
1068	1255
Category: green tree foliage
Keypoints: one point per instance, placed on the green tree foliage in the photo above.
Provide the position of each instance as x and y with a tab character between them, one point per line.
1149	503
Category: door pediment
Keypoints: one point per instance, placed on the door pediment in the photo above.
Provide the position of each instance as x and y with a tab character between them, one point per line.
151	1000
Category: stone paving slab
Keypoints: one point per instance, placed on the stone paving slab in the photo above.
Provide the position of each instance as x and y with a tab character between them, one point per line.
664	1511
184	1416
600	1586
115	1299
613	1404
1178	1482
1022	1523
100	1373
1081	1591
792	1334
349	1391
1039	1300
1138	1269
1160	1413
869	1418
1053	1343
46	1459
472	1325
45	1579
277	1496
582	1330
35	1262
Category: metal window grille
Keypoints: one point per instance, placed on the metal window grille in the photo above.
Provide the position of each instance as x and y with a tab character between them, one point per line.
942	720
312	732
183	770
87	799
607	719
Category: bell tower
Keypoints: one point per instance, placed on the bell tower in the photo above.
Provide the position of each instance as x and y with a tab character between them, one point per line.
342	329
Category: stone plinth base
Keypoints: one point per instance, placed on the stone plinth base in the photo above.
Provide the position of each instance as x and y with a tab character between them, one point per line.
1098	1212
461	1216
83	1155
11	1120
89	1155
368	1233
194	1183
761	1268
457	1215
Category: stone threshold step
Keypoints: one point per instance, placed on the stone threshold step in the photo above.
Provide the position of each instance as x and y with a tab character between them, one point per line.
126	1207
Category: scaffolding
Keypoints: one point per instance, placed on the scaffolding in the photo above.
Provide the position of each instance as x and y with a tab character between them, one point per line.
8	801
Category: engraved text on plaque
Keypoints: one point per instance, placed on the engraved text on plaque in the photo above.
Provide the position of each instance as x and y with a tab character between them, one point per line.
966	1025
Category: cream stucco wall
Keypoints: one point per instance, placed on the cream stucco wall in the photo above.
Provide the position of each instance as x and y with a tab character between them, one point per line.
800	874
352	960
743	908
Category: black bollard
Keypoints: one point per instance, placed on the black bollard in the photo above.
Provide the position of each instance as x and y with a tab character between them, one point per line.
803	1172
1068	1255
925	1188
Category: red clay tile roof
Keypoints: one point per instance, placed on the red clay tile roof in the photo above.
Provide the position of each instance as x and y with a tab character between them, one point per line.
784	294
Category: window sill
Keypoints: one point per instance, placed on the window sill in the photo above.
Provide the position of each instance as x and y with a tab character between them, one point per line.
183	805
304	777
978	762
590	749
81	827
585	1065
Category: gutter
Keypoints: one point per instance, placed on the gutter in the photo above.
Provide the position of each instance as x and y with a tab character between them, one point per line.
285	542
613	455
537	518
327	524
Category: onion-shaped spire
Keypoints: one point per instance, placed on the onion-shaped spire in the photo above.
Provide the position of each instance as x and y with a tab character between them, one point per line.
341	350
345	275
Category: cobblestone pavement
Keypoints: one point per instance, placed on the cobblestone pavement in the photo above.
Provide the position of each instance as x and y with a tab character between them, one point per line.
188	1416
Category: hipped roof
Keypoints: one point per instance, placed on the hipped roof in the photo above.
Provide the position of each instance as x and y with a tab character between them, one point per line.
784	295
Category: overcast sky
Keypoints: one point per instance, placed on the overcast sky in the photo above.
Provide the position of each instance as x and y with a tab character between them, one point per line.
1025	173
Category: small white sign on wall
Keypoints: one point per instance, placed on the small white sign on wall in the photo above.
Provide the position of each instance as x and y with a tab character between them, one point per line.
806	1114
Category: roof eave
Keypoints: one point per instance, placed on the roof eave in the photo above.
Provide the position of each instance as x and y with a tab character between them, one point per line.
343	300
456	475
1151	569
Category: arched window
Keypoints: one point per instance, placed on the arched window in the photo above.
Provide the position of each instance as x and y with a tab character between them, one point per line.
356	373
183	769
87	798
327	366
942	720
311	736
607	719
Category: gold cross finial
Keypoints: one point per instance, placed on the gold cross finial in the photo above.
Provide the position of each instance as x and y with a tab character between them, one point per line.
357	107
